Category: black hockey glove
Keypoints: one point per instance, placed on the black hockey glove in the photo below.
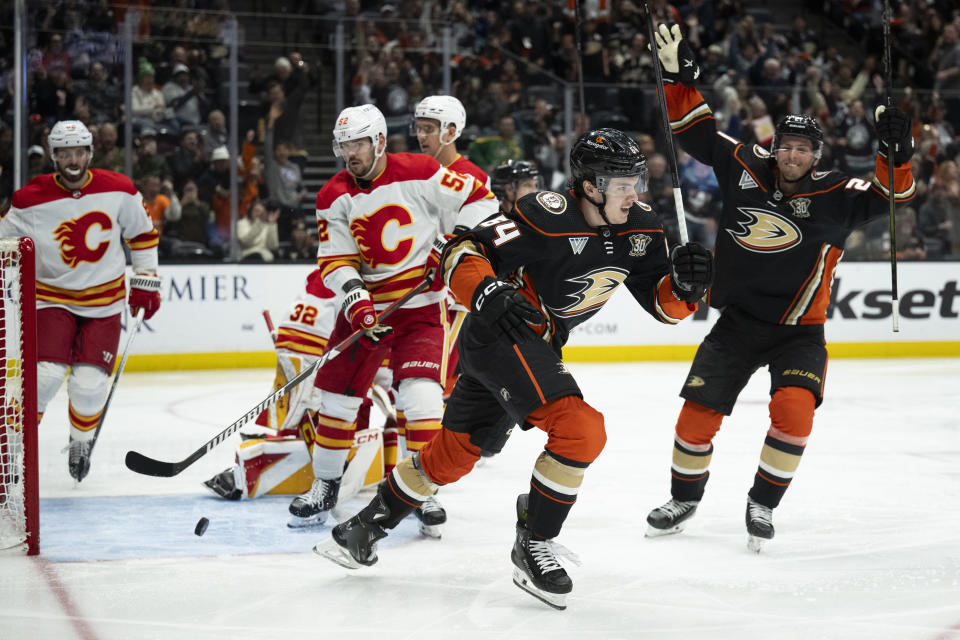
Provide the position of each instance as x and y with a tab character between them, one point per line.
503	308
676	56
691	271
894	127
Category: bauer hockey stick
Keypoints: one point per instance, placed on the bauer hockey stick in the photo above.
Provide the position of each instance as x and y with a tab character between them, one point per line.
142	464
667	131
85	468
888	81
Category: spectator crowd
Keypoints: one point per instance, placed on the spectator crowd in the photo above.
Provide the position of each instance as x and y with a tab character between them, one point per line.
510	62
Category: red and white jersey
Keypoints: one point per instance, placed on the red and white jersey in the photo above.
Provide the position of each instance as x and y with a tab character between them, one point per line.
78	234
462	165
385	232
307	324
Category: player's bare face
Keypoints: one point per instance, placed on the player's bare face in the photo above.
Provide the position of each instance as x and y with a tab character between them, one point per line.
795	158
72	165
526	187
358	155
621	194
428	136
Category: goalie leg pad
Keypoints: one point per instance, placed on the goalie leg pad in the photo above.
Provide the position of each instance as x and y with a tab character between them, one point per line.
50	376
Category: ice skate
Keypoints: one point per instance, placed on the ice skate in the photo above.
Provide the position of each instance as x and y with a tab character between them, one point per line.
78	461
312	507
224	485
431	515
670	518
353	544
759	525
536	567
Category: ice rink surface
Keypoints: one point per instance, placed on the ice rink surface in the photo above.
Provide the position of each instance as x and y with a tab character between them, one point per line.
867	545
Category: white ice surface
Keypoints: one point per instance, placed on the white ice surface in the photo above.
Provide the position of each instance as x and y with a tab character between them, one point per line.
867	546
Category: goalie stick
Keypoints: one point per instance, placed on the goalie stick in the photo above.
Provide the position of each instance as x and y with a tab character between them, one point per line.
142	464
85	469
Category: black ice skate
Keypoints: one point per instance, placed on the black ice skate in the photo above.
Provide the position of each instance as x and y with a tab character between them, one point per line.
536	567
353	544
670	518
312	507
759	525
224	484
78	461
431	515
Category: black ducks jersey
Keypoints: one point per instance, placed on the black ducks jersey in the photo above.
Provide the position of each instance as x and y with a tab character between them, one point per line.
775	255
567	268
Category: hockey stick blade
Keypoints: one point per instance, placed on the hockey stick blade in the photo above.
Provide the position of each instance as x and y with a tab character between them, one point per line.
147	466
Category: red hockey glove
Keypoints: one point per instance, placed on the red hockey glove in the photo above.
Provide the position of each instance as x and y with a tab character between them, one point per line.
359	312
144	292
432	269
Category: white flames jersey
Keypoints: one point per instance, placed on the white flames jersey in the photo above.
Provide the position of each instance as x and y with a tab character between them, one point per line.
386	231
309	320
78	235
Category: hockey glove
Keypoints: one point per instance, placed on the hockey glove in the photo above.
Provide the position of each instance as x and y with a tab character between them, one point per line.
894	127
504	309
676	56
691	271
359	312
144	292
432	270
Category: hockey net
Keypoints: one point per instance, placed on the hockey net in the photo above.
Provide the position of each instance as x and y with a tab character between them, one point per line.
19	522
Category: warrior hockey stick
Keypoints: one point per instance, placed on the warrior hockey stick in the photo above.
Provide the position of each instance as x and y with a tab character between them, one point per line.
667	131
150	467
888	81
85	468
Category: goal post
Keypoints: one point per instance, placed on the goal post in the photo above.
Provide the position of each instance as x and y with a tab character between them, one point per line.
19	490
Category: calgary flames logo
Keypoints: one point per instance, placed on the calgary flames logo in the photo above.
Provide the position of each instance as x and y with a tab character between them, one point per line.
72	236
765	232
597	288
375	237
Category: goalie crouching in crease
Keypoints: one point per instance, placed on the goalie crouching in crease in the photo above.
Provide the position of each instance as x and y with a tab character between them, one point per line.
522	273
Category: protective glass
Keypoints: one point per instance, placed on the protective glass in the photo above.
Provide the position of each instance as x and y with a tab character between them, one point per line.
342	149
616	186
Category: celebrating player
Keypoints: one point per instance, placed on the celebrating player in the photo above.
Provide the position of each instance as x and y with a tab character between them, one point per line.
512	180
377	221
78	217
781	235
531	276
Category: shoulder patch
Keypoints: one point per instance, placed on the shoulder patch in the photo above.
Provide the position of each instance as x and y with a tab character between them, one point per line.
644	206
760	152
552	202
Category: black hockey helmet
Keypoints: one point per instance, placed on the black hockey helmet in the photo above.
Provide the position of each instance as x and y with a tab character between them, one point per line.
799	125
601	154
511	172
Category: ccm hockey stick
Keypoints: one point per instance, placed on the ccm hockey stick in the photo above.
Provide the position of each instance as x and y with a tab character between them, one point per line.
667	131
150	467
888	85
85	469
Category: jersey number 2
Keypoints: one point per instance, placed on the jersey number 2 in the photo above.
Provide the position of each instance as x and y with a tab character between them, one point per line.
505	229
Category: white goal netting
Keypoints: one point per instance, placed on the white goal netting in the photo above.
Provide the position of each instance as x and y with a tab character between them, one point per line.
13	524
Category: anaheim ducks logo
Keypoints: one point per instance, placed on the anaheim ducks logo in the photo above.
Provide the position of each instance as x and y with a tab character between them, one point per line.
597	288
764	231
73	236
378	235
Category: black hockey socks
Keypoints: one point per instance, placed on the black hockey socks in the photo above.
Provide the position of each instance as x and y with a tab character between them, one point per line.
554	486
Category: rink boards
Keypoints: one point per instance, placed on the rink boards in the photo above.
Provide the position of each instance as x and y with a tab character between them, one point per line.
212	318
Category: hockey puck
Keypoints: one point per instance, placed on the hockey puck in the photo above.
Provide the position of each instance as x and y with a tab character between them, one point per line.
201	527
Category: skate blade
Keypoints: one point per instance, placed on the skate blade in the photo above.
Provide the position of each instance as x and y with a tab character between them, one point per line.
430	530
296	522
755	544
330	550
556	600
653	532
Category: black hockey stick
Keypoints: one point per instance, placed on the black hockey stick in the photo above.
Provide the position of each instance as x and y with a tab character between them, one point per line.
888	81
667	131
150	467
85	468
578	26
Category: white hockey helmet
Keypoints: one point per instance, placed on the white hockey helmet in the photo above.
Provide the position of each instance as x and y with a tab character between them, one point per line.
445	109
355	123
69	133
